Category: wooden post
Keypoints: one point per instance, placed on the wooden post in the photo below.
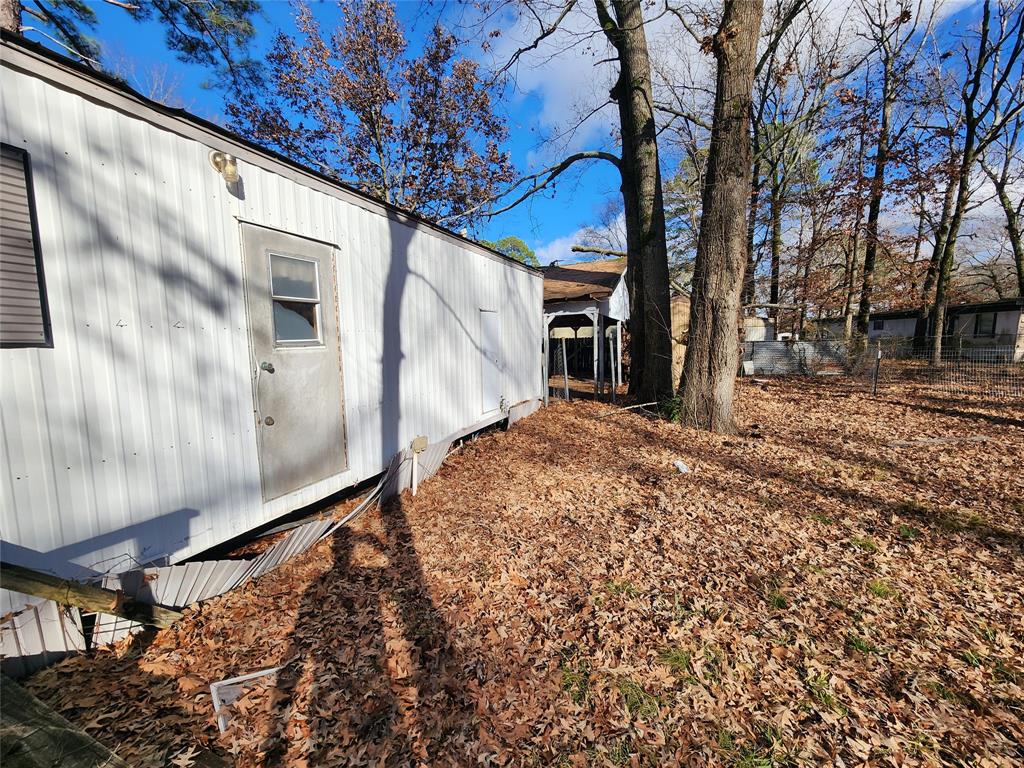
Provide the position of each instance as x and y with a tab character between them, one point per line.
596	349
84	596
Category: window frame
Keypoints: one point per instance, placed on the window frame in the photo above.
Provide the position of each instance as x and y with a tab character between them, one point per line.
878	325
33	217
274	298
977	325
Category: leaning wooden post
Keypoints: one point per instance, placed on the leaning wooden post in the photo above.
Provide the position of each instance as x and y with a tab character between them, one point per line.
94	599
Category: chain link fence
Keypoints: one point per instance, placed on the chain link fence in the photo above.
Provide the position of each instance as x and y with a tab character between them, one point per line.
966	366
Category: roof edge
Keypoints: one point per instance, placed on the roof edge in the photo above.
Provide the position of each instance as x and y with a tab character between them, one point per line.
11	41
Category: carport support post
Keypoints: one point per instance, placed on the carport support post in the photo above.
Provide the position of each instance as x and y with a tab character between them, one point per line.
596	349
544	363
611	361
618	349
565	369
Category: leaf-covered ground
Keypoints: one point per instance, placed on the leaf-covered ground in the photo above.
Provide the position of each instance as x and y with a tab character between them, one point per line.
842	585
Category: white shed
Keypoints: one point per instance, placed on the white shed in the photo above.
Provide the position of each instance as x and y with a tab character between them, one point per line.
187	357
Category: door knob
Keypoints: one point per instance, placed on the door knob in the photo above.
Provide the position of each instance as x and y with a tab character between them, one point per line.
269	421
268	367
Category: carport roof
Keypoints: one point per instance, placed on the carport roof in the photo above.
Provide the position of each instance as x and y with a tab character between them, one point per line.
585	280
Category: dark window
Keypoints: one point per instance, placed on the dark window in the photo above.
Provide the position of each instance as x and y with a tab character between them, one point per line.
24	316
985	324
877	325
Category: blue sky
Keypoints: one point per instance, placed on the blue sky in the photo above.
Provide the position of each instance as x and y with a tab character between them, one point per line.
564	78
549	219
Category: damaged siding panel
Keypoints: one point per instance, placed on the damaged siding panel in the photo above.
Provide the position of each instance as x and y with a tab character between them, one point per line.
38	633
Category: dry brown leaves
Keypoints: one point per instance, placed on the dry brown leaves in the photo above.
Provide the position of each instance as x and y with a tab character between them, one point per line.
559	594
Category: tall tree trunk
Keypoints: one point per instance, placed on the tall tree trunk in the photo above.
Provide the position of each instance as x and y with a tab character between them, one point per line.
852	271
10	15
749	287
1013	231
712	354
921	219
775	211
648	262
963	195
875	201
925	319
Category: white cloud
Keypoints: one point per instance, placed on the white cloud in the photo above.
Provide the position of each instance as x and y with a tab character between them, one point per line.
611	235
559	249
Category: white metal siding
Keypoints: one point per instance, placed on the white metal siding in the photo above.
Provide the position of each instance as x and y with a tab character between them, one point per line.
133	438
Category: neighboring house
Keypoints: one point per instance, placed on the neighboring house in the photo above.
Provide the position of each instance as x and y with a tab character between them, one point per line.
590	298
984	324
223	335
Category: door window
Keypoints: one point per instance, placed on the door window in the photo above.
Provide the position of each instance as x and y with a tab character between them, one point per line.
295	290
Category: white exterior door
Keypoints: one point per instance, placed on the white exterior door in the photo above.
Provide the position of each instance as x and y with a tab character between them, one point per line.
490	360
296	361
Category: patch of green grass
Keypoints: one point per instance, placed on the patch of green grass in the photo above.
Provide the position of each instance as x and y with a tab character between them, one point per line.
816	569
681	609
778	600
879	588
1004	673
823	519
638	701
974	520
823	694
909	533
621	751
913	507
921	745
725	739
861	644
767	751
864	544
939	689
575	676
970	658
714	661
625	588
678	660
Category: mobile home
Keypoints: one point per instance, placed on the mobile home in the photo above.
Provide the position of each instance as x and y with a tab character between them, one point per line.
200	336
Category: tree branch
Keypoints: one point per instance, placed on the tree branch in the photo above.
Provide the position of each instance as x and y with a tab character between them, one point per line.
544	34
542	179
595	249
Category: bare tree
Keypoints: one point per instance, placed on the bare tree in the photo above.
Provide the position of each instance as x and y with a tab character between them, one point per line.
896	32
1005	169
712	353
992	97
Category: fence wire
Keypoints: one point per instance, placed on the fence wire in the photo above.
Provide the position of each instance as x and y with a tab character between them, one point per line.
966	365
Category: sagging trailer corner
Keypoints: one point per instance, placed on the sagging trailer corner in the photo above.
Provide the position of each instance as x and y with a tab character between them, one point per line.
195	357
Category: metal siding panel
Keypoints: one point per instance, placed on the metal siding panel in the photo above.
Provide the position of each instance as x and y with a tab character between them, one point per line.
123	438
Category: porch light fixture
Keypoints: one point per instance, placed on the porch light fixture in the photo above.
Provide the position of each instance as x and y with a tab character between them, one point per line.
226	165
